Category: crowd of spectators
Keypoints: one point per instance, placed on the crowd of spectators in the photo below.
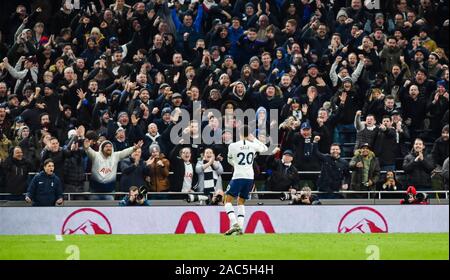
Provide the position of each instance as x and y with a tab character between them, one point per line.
98	87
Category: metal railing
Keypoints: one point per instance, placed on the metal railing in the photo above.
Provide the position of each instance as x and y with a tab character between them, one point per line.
262	173
370	194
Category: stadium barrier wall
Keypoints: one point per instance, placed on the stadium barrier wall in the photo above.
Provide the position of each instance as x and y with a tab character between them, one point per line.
210	219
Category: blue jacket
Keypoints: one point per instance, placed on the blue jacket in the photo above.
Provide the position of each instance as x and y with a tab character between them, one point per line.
234	35
194	31
283	63
45	190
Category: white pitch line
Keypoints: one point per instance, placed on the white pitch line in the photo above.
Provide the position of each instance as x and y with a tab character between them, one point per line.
59	238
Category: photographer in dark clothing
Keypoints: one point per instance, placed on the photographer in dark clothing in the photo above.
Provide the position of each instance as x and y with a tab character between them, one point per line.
303	197
413	197
136	197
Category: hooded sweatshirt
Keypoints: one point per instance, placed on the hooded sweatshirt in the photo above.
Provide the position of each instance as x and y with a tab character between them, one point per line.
283	63
104	169
261	126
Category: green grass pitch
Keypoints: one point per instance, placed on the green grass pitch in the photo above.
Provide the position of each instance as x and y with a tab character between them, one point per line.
218	247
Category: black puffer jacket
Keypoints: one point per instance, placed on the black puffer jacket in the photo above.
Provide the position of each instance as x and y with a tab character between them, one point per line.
281	180
304	158
386	146
74	172
334	173
440	151
15	174
58	158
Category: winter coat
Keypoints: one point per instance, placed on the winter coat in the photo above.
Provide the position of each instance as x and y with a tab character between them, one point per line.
390	57
45	190
177	166
159	176
148	141
15	174
74	172
5	145
386	147
304	158
440	151
418	172
133	133
357	175
281	179
132	175
58	158
364	135
334	172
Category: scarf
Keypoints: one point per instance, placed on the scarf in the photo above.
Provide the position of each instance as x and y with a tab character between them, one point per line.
153	138
211	177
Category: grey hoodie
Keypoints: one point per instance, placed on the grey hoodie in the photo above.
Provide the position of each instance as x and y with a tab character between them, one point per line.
104	169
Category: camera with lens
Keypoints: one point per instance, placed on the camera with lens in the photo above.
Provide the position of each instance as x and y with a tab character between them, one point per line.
142	192
303	197
422	197
192	198
293	198
202	199
286	196
215	198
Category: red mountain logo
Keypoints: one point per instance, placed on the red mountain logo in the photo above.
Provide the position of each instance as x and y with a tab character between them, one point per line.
363	220
86	221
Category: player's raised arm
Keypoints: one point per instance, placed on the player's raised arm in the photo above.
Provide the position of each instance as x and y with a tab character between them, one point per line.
260	147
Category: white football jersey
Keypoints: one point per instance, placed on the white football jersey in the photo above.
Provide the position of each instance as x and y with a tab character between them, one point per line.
241	156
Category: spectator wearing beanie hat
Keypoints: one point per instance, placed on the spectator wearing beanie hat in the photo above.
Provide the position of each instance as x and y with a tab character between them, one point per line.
425	40
132	131
104	166
164	121
159	168
120	142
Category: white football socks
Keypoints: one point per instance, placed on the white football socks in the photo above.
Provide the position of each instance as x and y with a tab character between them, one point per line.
231	214
241	215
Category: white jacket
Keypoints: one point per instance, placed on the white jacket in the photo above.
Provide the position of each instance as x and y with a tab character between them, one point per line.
19	75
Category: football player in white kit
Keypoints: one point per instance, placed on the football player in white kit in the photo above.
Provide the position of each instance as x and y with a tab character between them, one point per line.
241	156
